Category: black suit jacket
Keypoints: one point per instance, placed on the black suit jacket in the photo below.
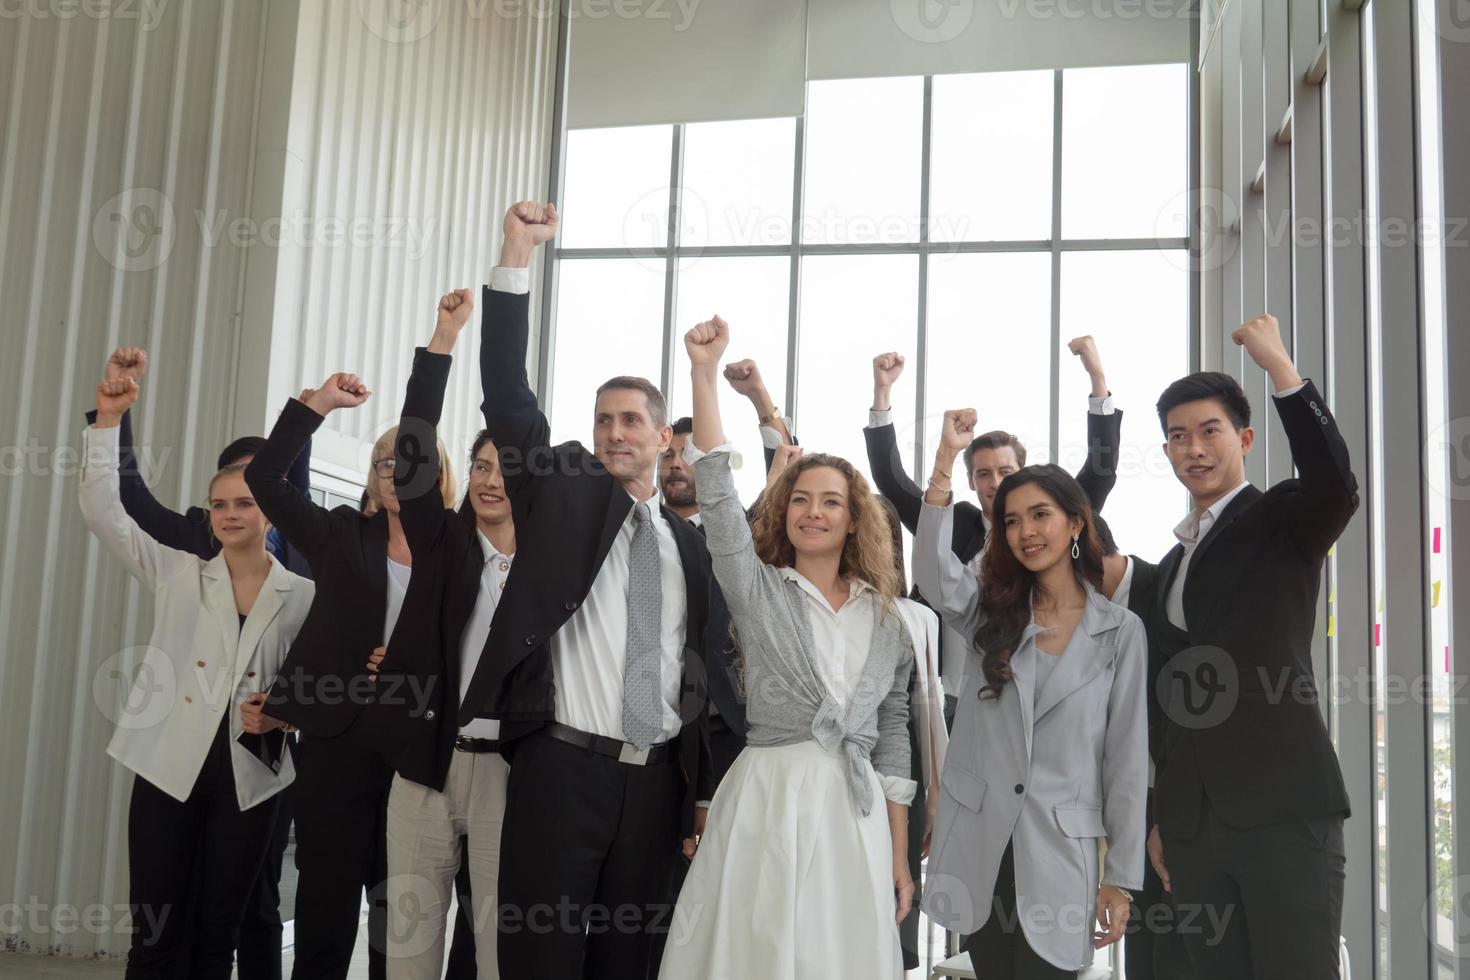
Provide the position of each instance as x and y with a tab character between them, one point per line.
417	710
1097	476
567	510
1251	591
324	684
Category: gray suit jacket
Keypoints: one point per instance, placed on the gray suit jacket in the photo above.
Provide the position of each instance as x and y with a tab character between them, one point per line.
787	701
1055	777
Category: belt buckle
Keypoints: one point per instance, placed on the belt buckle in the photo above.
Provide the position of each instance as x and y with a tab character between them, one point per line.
633	756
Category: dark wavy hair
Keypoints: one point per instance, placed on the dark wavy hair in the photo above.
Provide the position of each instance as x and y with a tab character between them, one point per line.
1008	586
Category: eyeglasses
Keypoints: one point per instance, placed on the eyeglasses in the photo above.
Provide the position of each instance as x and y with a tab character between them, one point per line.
384	467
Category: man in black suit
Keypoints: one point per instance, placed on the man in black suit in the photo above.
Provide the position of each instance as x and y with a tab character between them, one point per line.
989	459
588	662
1249	798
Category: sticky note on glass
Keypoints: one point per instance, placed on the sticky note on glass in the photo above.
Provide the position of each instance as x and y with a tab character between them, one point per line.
1378	634
1435	603
1380	602
1331	625
1436	541
1332	596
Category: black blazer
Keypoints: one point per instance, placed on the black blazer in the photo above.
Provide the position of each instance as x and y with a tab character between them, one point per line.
419	728
1251	591
324	683
1097	476
567	510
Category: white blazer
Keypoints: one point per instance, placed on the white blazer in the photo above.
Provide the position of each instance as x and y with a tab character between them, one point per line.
200	664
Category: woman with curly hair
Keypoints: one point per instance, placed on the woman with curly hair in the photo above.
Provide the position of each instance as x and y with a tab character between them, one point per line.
803	868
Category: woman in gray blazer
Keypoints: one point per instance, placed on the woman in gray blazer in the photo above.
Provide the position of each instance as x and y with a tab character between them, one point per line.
1048	756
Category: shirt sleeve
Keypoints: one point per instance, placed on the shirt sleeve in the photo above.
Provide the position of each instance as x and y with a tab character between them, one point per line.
693	454
507	280
1290	391
877	419
897	789
771	436
1100	406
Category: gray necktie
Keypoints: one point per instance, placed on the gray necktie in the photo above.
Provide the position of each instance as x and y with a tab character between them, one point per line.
643	713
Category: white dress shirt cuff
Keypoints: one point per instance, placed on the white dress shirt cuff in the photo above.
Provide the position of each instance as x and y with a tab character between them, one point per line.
1100	406
771	436
507	280
877	419
898	790
702	803
693	454
1291	391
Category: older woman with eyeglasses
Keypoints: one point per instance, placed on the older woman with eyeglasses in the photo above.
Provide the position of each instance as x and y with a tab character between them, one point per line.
361	562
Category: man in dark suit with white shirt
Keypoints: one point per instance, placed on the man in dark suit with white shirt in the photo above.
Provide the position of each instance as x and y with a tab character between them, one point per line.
589	662
1249	798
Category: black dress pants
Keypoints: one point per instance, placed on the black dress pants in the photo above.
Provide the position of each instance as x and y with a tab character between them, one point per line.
587	853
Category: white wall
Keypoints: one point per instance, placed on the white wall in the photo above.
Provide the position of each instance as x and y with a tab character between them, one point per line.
218	120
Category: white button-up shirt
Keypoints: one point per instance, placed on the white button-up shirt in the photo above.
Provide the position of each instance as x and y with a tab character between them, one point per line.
493	573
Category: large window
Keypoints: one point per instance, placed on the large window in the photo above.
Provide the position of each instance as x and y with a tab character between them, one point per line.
974	223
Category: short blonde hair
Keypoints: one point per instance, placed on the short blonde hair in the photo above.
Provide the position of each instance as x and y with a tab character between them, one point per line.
384	449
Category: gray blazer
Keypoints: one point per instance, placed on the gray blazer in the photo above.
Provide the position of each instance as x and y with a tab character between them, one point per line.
787	700
1055	777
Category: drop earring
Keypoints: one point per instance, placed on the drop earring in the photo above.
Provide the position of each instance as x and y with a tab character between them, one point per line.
1076	551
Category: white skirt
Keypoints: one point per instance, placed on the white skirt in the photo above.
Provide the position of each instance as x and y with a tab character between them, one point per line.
791	881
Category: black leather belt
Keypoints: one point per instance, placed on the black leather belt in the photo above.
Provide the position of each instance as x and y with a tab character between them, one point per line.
611	747
466	744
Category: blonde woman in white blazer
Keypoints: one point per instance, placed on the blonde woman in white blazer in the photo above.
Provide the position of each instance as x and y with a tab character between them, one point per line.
1048	756
209	761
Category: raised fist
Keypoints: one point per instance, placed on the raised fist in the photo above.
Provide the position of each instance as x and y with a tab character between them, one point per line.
532	222
706	342
1261	339
127	362
959	428
116	396
455	308
744	377
341	390
886	369
1086	349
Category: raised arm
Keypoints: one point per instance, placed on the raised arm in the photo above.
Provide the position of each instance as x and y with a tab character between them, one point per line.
727	532
515	421
99	494
745	377
942	579
884	458
1099	472
1326	493
416	473
305	524
184	532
